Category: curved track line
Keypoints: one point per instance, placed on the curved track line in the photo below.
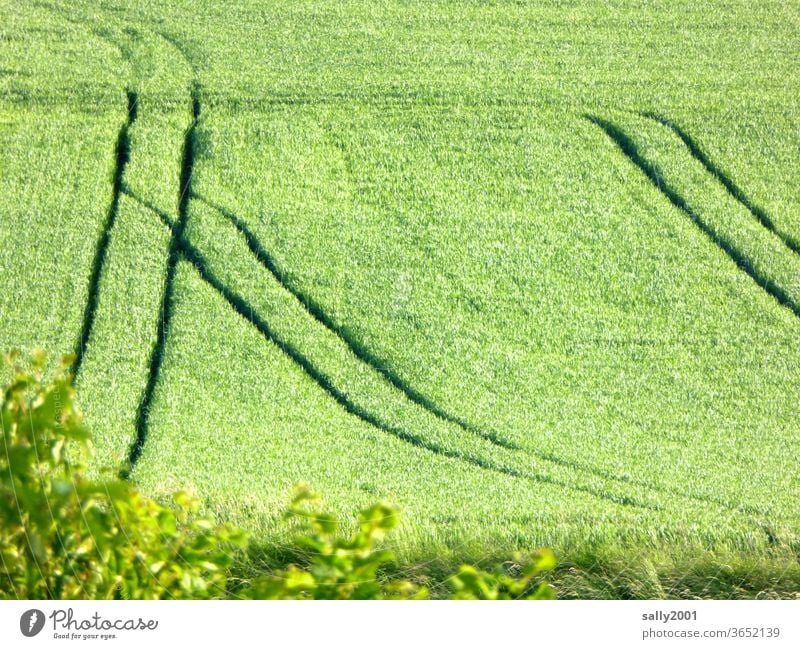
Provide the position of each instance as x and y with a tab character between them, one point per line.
195	257
733	189
358	349
167	302
101	250
315	311
654	175
181	48
246	311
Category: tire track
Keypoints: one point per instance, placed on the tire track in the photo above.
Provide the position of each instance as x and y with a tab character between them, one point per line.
122	152
182	50
167	303
654	175
244	309
180	247
547	457
251	315
733	189
198	260
358	349
266	260
191	254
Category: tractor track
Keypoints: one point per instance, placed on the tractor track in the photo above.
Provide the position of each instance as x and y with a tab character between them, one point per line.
733	189
122	154
251	315
655	176
167	302
358	349
265	259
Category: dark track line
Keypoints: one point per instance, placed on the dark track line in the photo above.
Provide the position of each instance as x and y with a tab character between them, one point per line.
167	302
195	257
547	457
251	315
358	349
654	175
245	310
167	220
733	189
122	150
181	50
312	308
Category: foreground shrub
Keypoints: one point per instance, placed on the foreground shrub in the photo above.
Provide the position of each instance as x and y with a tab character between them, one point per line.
65	536
338	566
342	566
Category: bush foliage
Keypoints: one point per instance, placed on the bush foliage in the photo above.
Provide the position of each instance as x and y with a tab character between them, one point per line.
341	566
66	536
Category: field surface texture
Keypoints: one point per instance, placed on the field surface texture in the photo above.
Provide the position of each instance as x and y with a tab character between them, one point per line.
529	270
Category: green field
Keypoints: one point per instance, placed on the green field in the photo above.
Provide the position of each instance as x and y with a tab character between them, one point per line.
529	270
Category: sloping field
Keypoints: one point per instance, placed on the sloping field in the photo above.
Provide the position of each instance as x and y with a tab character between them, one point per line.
532	272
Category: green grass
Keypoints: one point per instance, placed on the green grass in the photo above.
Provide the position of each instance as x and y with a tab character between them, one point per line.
528	270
